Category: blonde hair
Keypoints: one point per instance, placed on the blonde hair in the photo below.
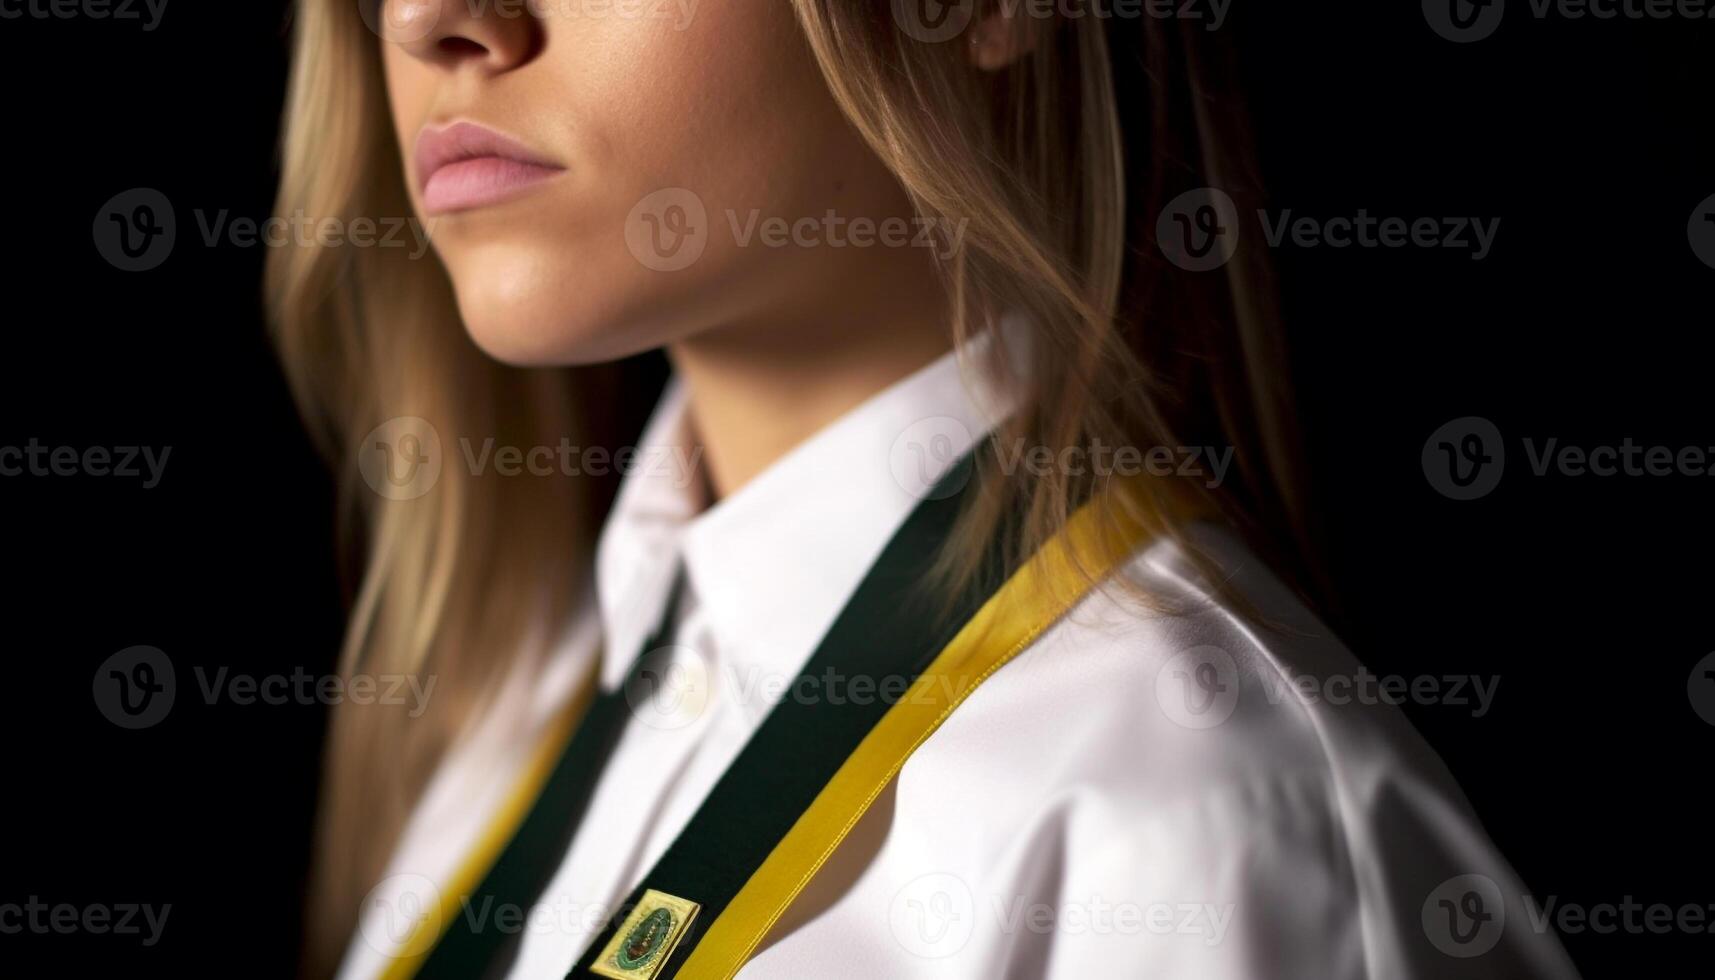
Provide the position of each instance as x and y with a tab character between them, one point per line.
1060	178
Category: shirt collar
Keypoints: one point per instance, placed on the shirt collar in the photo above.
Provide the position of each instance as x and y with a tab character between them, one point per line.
772	565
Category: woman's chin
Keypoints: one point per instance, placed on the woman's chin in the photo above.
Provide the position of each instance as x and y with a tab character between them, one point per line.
550	335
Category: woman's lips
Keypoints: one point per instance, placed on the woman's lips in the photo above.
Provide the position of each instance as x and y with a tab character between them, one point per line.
480	181
466	166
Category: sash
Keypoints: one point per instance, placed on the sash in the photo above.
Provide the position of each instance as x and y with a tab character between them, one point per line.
810	770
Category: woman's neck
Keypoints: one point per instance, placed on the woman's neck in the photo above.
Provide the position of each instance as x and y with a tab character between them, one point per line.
756	392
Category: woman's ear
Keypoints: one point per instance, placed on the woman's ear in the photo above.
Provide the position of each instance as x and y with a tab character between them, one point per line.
1003	37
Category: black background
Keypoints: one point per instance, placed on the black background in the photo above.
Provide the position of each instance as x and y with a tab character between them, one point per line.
1588	597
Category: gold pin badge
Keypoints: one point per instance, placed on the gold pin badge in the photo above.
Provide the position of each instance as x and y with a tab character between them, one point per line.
644	942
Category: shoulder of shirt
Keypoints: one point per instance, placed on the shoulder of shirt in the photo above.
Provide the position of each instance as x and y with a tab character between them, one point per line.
1190	691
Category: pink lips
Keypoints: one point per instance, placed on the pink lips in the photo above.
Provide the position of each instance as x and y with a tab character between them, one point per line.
466	166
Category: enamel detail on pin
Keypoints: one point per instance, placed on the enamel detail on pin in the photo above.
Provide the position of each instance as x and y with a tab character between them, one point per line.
645	940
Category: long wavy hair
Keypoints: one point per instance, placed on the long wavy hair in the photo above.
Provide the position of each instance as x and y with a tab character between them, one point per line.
1061	163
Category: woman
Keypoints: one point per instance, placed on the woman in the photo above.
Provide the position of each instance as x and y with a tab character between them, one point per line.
917	639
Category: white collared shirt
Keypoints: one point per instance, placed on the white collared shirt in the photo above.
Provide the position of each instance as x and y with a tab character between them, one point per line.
1137	794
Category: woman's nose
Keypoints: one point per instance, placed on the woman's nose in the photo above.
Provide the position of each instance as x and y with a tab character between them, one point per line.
493	35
